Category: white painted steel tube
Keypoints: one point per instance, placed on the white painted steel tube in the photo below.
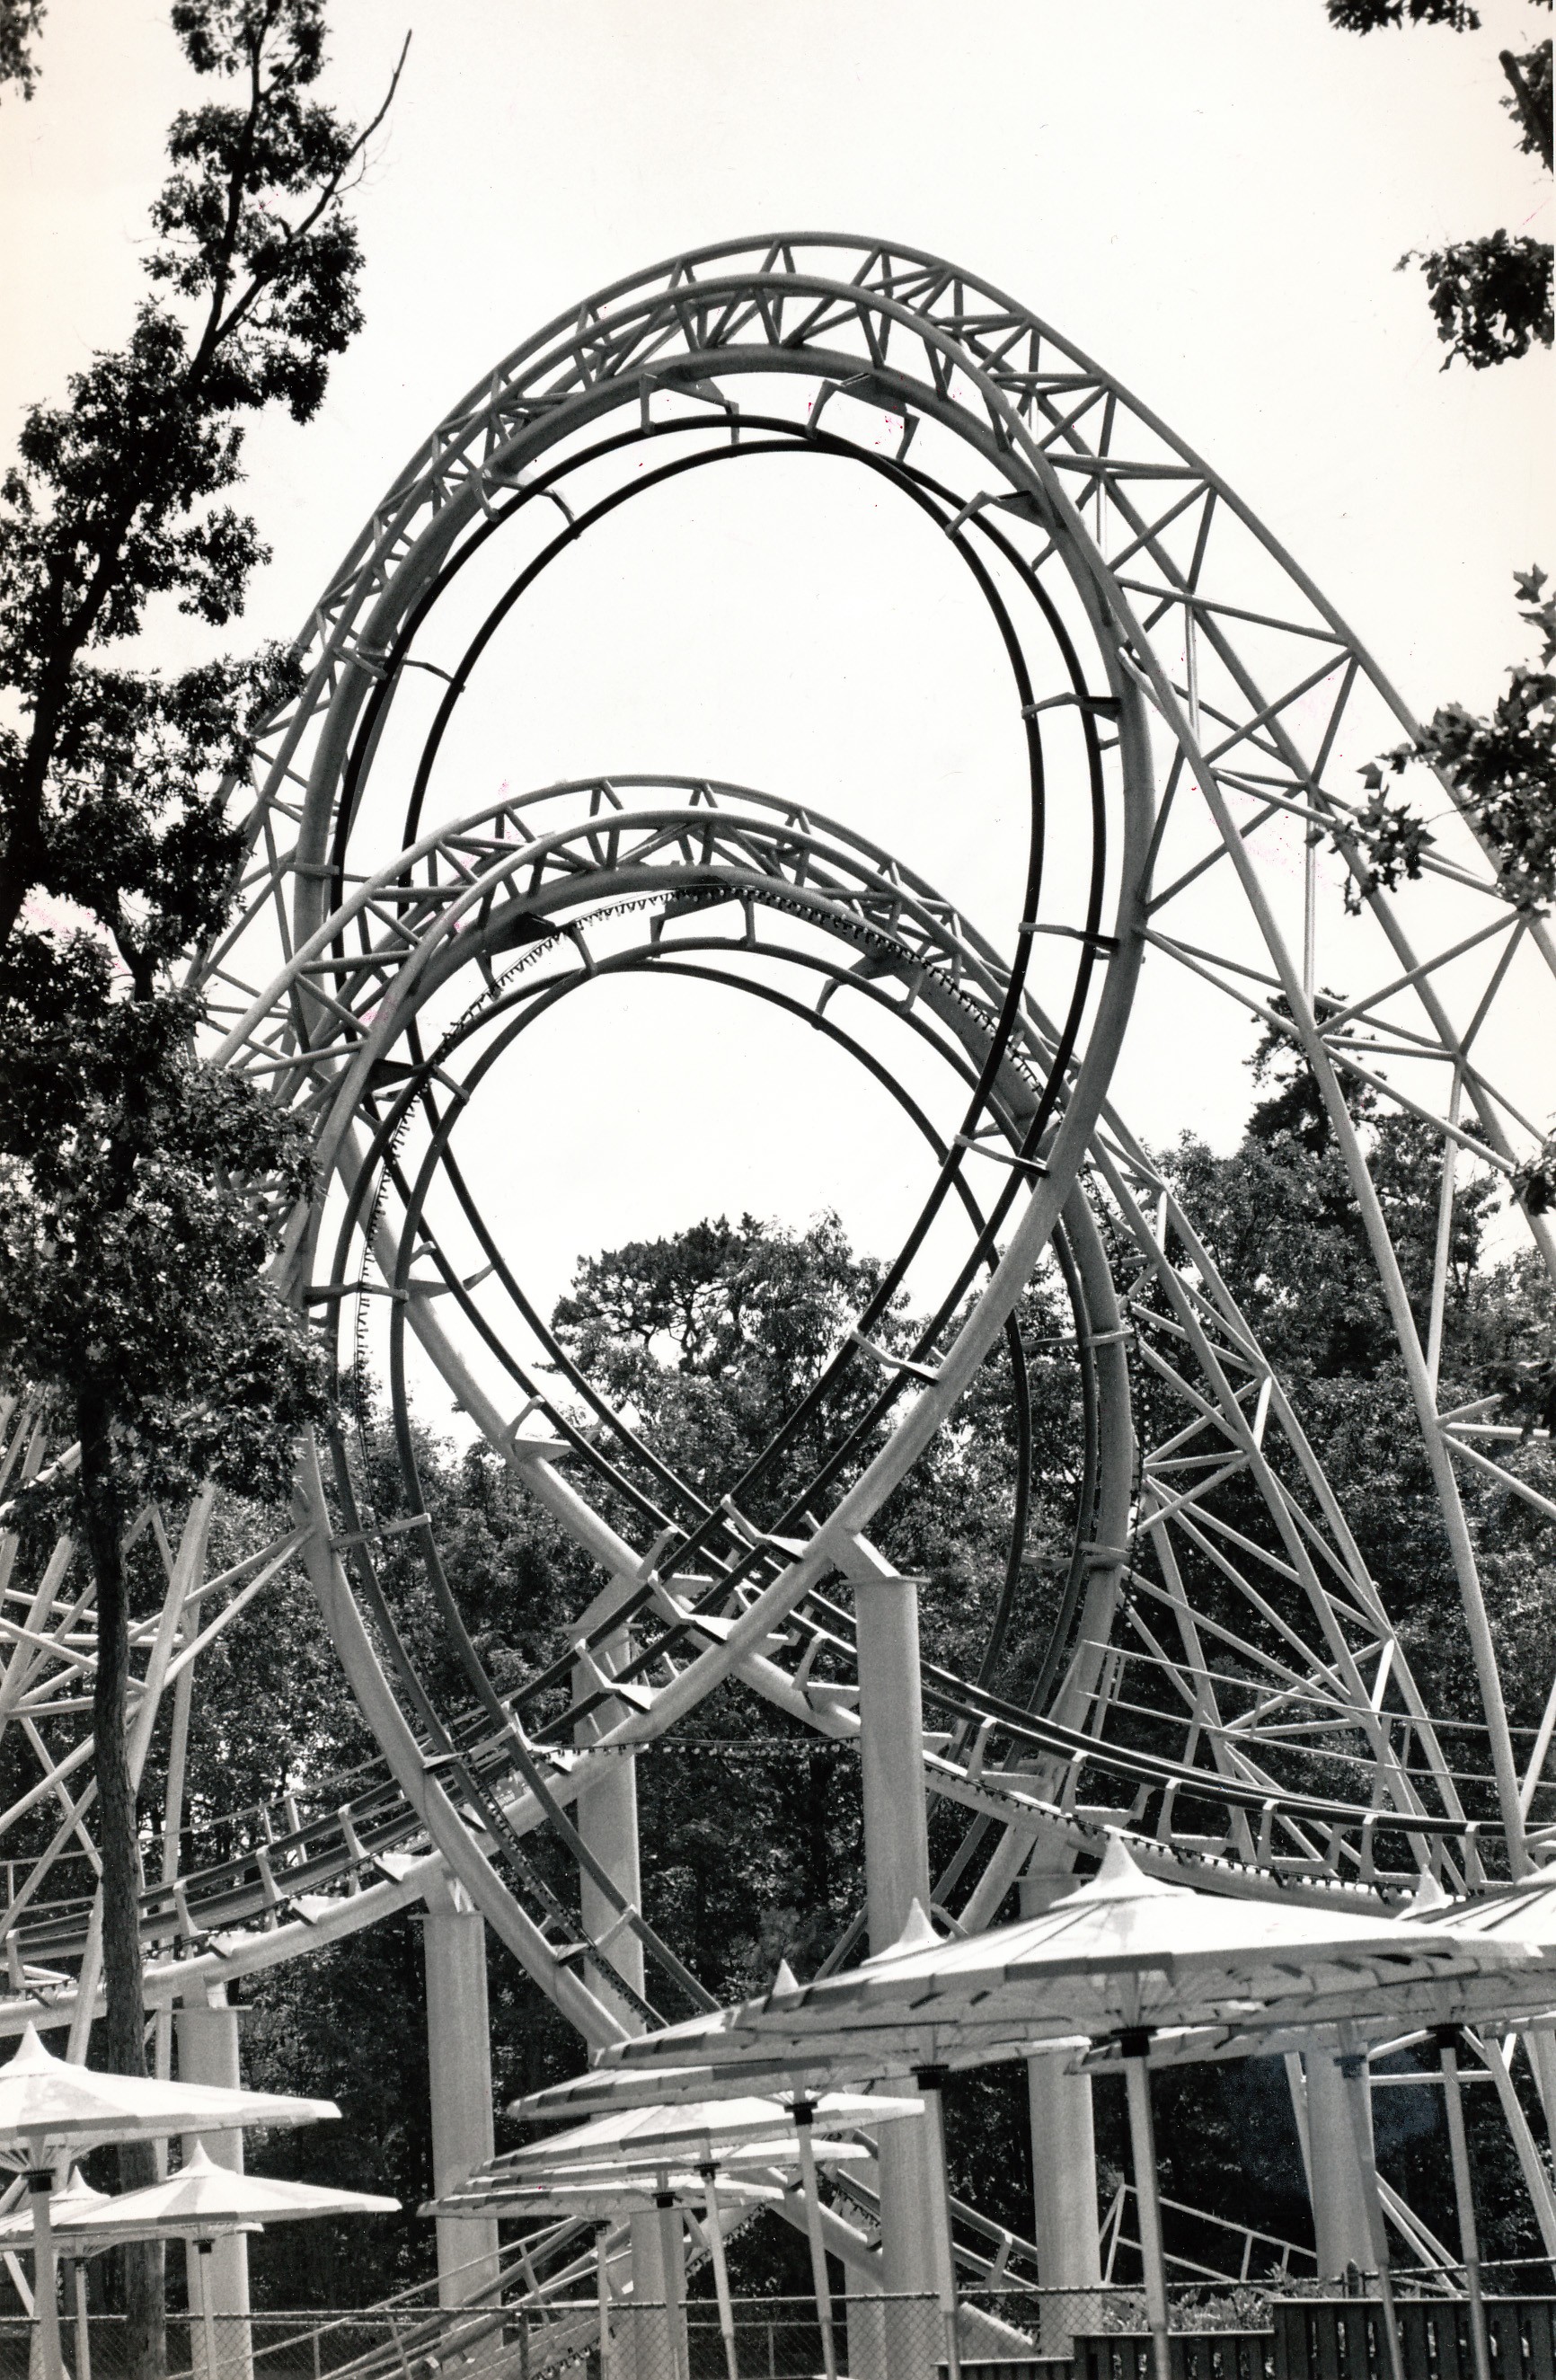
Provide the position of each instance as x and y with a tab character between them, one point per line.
1352	2066
817	2249
721	2271
602	2266
207	2314
1464	2196
83	2328
45	2305
1142	2144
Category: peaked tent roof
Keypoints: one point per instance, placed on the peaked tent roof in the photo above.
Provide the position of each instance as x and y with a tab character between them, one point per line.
1122	1951
43	2098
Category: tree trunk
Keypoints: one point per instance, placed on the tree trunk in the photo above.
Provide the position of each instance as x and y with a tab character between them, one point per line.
142	2265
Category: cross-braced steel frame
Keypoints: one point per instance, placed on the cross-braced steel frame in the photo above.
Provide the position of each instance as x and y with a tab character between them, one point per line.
1215	1671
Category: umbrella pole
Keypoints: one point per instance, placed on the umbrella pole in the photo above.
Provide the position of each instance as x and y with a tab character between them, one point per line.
45	2303
83	2329
1142	2148
721	2272
1353	2067
208	2320
1469	2239
803	2113
602	2264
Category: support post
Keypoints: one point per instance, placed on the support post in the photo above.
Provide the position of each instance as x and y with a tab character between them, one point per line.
1064	2173
1142	2144
1449	2041
1336	2179
459	2068
208	2052
45	2282
606	1817
1358	2097
913	2232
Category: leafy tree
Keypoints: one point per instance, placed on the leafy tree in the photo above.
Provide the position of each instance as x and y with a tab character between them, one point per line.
19	22
1503	770
1490	297
141	1194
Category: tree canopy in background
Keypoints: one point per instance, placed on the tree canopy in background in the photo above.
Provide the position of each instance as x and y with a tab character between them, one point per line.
1491	296
19	24
751	1825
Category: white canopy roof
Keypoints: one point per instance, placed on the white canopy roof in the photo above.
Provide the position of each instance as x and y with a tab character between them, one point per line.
1121	1953
44	2099
698	2133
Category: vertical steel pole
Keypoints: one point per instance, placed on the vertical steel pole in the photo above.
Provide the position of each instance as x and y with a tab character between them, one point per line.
1337	2181
803	2113
208	2052
721	2269
1064	2167
83	2327
207	2318
460	2070
913	2231
1448	2042
1353	2067
45	2305
1142	2149
602	2282
607	1819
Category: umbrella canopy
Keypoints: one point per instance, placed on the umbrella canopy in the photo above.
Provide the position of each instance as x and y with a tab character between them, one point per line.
605	2197
69	2208
488	2192
698	2133
201	2198
1121	1954
43	2099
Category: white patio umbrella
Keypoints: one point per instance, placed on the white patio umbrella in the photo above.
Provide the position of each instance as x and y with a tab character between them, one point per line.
83	2223
47	2105
735	2139
1118	1957
720	2132
202	2203
609	2195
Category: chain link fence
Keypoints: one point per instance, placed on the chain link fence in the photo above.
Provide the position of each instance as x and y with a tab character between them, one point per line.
1233	2331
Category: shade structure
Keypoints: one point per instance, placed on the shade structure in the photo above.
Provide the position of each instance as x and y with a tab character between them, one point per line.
696	2133
48	2105
1120	1953
86	2221
1115	1958
485	2192
609	2195
43	2100
202	2196
717	2134
722	2137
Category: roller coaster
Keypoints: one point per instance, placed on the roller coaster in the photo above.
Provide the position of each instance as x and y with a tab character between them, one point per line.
1217	1673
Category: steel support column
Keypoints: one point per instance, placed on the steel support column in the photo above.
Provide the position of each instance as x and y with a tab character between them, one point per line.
208	2052
460	2065
915	2238
606	1816
1337	2184
1064	2199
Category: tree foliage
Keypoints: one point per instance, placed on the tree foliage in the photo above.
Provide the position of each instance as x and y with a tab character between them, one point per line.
752	1826
1490	297
142	1195
1502	770
19	23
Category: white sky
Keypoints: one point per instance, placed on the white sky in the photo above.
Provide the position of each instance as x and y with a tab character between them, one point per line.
1207	195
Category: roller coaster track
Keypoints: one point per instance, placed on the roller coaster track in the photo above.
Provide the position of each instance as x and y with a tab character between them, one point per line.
1215	1671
